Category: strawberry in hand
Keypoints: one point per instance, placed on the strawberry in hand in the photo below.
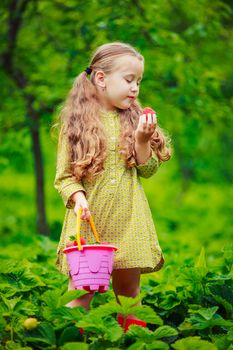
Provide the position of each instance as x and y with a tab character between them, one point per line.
148	116
146	126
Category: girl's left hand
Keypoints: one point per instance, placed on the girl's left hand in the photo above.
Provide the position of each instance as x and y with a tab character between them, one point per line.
146	127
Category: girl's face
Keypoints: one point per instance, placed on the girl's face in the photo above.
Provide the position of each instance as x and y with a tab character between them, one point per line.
121	86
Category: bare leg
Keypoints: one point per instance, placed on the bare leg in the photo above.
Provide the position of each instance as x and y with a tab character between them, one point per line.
126	282
82	301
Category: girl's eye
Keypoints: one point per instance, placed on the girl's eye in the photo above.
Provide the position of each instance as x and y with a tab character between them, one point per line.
130	81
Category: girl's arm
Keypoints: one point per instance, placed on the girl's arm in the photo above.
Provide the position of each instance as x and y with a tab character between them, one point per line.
143	152
65	183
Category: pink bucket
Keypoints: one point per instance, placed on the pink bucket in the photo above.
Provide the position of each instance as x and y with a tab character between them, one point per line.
91	267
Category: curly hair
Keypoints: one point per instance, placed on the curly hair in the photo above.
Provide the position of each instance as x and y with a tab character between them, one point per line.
82	125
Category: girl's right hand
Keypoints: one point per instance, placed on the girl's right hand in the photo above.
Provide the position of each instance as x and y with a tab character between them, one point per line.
80	201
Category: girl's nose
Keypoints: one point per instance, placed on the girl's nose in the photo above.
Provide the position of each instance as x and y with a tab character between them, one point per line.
134	87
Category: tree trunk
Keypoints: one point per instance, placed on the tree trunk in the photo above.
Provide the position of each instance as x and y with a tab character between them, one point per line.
34	127
16	10
42	226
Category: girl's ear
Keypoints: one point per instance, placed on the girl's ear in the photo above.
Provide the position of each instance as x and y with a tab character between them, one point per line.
100	78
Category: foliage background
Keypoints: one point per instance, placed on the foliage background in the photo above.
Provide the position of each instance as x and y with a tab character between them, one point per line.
188	80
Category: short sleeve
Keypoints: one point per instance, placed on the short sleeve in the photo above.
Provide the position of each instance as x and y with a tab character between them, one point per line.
148	168
65	182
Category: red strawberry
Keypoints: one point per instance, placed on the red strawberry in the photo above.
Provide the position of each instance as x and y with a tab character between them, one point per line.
104	243
74	243
71	244
83	241
148	110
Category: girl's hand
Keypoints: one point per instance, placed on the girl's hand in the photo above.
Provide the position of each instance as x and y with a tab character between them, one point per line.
80	201
146	126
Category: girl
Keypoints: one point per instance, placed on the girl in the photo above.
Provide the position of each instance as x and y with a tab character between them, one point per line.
103	149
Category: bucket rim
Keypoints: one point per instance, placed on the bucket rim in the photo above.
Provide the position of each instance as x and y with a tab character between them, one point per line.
87	246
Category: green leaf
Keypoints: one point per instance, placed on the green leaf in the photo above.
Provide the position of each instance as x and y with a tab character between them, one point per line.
220	322
126	303
223	295
139	345
22	280
51	298
47	313
158	345
165	331
201	263
68	313
105	310
169	301
141	333
146	313
7	290
69	334
148	337
113	330
198	322
207	313
44	333
26	308
75	346
221	341
2	323
37	339
193	343
69	296
92	324
11	345
10	303
230	335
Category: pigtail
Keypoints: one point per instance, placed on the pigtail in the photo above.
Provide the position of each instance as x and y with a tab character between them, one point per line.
87	142
129	120
160	143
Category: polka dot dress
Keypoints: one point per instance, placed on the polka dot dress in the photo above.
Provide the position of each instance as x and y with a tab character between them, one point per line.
117	203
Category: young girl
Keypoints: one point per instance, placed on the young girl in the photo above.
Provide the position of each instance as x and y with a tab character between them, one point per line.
103	149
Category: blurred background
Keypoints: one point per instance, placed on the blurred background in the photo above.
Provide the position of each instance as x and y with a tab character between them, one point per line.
188	80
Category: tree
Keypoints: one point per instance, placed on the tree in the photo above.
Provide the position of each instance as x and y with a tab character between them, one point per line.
15	12
47	43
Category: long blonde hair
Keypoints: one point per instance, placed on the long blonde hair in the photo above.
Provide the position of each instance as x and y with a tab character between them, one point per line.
82	125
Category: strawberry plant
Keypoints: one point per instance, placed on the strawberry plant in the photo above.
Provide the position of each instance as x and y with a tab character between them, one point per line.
186	307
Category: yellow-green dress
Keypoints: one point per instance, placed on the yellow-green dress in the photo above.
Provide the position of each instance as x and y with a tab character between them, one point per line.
117	203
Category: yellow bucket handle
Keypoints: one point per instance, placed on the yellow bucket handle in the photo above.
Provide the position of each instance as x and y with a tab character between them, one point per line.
78	237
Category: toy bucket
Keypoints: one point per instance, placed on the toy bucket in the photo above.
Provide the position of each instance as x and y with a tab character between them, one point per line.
90	266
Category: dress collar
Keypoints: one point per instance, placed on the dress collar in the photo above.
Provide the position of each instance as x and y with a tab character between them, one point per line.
108	114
